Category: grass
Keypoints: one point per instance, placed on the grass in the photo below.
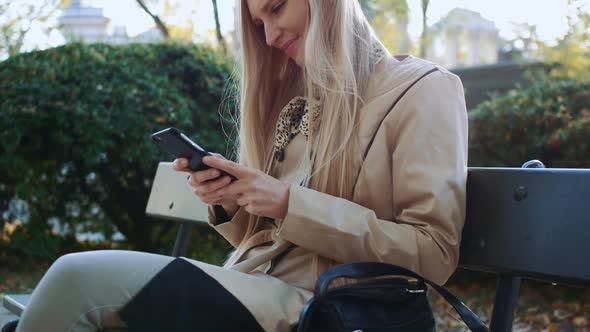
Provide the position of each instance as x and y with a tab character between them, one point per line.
541	306
20	276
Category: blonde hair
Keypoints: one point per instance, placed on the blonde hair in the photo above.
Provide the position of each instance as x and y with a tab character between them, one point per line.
338	56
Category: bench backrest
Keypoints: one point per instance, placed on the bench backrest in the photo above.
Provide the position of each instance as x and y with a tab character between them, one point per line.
527	222
530	222
172	198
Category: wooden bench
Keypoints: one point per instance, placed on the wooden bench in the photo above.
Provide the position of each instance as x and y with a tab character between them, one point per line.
521	223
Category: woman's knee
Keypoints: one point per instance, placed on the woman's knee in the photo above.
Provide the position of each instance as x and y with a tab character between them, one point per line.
68	269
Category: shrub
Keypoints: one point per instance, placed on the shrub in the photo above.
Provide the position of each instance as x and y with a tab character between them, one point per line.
75	124
548	120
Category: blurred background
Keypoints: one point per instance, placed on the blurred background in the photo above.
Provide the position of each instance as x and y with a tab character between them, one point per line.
84	83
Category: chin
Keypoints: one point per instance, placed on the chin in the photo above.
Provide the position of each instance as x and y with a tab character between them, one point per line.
299	61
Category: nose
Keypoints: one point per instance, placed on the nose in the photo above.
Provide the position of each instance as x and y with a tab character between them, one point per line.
272	34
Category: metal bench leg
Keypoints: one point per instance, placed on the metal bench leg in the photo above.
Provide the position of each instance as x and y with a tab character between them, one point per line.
505	303
508	287
182	239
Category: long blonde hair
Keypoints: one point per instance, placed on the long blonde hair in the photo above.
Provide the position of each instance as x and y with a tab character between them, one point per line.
337	66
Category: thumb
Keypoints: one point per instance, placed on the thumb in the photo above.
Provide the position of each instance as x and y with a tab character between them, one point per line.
217	155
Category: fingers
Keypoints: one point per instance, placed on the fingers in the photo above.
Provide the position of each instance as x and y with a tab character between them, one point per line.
242	200
237	188
207	191
222	190
213	186
229	200
196	179
229	166
217	155
181	165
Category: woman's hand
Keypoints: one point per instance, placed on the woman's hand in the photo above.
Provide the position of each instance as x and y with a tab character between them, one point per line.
258	192
203	183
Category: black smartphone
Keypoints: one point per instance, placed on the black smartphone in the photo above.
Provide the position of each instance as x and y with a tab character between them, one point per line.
179	145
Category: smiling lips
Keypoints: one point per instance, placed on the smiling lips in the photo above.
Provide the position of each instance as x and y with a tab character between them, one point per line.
290	47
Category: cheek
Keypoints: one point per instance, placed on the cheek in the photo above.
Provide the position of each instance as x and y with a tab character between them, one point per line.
295	26
301	27
300	17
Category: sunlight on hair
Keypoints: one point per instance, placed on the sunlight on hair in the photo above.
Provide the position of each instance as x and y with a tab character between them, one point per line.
339	59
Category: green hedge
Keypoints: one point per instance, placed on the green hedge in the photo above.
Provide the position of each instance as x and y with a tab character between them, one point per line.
75	124
548	120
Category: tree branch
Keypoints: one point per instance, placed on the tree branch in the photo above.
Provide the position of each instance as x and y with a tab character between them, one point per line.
161	26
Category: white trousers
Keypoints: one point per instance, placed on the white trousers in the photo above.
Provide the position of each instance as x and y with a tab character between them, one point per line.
84	292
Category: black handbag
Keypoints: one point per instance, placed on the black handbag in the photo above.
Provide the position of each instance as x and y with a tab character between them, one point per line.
388	301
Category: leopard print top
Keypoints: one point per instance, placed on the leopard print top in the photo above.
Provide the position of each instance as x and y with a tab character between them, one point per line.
294	117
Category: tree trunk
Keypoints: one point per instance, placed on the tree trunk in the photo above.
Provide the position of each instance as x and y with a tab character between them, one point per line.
424	36
220	39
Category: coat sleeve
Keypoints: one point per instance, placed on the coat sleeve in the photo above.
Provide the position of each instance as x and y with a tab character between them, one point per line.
429	172
233	230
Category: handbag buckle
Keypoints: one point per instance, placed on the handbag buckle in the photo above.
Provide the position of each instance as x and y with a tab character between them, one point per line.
417	284
414	291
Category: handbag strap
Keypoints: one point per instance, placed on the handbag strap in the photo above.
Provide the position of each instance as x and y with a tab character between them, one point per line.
401	95
376	269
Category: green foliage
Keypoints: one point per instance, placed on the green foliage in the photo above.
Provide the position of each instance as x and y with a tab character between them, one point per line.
548	120
17	17
75	124
572	52
34	242
390	20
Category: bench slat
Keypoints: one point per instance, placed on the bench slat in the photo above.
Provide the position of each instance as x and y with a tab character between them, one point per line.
529	222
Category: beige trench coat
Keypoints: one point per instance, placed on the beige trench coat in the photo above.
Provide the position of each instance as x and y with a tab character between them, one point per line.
408	205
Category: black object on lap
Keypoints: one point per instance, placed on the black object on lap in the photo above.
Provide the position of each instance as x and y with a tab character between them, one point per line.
182	297
10	326
390	303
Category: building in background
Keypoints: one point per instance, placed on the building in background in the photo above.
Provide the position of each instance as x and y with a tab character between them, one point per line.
89	25
463	38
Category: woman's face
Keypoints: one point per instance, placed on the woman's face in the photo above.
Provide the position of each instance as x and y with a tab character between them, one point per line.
284	23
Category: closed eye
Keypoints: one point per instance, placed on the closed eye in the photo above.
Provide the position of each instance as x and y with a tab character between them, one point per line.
276	9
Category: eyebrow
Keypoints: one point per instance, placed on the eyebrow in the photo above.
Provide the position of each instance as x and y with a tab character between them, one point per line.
255	19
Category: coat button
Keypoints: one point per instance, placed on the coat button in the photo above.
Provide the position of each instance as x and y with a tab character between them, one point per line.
279	155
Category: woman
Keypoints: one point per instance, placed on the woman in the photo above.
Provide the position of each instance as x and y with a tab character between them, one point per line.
346	154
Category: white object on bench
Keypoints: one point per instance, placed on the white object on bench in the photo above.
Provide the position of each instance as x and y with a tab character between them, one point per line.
16	303
172	197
